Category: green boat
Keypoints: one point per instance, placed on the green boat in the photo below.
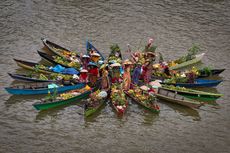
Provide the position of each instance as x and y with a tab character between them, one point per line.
151	107
194	94
94	105
64	99
197	59
176	98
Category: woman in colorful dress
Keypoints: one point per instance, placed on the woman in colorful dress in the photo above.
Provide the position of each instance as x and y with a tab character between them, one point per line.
105	82
93	73
83	76
126	76
136	73
85	61
95	57
115	72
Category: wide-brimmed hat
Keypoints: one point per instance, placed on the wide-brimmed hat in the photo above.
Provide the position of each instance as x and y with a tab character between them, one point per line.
84	71
85	56
127	62
103	66
95	54
145	88
115	65
92	64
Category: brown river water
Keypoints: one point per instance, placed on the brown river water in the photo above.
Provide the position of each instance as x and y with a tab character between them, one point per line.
174	25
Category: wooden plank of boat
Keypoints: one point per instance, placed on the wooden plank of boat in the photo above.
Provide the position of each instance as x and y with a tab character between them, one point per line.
197	83
30	66
152	108
40	88
89	47
56	49
214	72
23	77
197	59
176	98
94	107
53	104
194	94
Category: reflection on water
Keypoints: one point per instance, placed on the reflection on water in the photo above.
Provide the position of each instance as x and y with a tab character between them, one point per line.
182	110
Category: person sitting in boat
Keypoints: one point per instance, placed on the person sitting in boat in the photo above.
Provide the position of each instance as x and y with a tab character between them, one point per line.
136	73
83	76
105	81
115	72
93	73
95	57
85	61
126	76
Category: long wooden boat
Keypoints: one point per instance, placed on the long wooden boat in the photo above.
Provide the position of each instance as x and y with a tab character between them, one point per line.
197	59
51	59
89	47
57	49
152	106
176	98
91	108
40	88
116	96
213	72
70	97
32	66
23	77
193	94
197	83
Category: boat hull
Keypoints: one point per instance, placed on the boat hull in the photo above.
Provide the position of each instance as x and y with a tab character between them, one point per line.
43	90
177	99
141	104
45	106
198	83
27	79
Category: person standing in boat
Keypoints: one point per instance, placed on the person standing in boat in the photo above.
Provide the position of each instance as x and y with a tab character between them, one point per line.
93	73
105	82
126	76
147	71
85	61
95	57
115	72
83	76
136	73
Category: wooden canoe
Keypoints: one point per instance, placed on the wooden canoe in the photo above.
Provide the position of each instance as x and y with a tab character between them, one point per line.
197	83
31	66
44	105
57	49
91	109
23	77
197	59
194	94
51	59
40	88
176	98
214	72
153	108
89	47
120	109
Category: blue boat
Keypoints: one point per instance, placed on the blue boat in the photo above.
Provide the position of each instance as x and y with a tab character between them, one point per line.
89	47
40	88
198	83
